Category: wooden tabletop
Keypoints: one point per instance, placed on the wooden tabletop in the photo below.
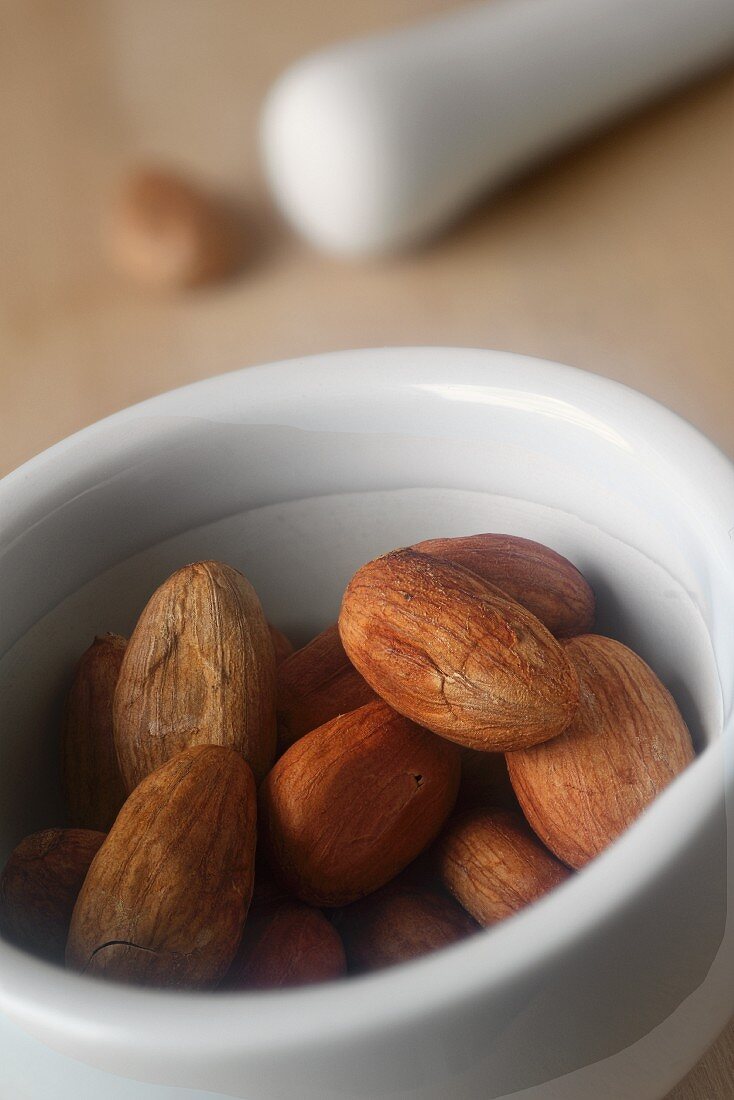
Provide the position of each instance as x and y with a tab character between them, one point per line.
618	257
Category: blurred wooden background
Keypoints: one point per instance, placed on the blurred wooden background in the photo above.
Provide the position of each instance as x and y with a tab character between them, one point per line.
617	258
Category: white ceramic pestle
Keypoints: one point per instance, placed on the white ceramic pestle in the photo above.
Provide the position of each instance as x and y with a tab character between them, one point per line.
377	143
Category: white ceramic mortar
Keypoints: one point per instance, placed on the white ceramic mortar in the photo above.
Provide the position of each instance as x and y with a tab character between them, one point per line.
611	987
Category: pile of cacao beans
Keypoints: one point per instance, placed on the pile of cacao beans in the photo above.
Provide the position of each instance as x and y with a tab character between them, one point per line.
246	816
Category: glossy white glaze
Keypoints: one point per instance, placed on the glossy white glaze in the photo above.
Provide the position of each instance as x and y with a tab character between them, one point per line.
296	472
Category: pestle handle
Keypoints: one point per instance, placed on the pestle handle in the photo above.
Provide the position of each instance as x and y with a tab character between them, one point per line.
377	143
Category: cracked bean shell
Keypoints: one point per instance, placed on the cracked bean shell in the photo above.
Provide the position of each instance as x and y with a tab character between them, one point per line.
494	865
402	921
353	802
537	577
199	669
282	645
285	944
39	887
314	685
166	897
450	651
92	781
626	743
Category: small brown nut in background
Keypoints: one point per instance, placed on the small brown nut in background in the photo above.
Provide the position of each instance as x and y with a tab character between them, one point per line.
165	899
452	652
625	744
353	802
39	887
544	582
92	782
286	943
165	231
316	684
494	865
